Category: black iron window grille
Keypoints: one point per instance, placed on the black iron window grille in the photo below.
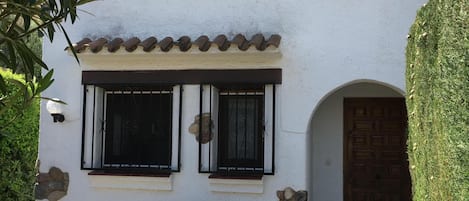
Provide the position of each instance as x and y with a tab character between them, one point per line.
131	128
240	137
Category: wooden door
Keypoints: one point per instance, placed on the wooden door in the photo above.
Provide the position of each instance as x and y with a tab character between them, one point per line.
375	157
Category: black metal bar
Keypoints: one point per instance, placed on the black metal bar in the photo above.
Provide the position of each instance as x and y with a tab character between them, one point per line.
93	128
200	126
245	124
273	128
210	130
170	131
83	127
257	134
236	129
179	128
103	129
219	137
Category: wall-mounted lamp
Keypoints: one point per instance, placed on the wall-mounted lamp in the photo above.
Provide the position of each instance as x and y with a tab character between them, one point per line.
55	108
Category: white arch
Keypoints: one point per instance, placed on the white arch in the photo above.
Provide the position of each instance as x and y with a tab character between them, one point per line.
325	133
357	81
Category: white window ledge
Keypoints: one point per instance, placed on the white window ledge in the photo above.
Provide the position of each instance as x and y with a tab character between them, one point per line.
228	185
131	182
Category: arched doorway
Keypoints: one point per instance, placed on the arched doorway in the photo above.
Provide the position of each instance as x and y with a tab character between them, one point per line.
351	162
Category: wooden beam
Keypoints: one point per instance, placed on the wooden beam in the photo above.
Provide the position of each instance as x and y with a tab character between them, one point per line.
243	76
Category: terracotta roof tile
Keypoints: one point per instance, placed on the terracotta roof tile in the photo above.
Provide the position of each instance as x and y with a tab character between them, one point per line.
203	42
166	44
97	45
149	44
81	45
184	43
114	45
274	40
131	44
258	41
241	41
222	42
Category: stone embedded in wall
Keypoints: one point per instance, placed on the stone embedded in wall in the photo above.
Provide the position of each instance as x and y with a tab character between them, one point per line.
288	194
52	185
207	128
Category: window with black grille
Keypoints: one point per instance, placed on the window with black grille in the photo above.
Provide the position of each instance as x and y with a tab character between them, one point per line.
242	134
241	116
131	128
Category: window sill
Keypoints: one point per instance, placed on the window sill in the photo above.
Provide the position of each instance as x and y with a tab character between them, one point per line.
236	183
130	173
236	176
101	179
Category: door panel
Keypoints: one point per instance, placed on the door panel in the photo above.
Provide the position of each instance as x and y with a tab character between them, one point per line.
375	158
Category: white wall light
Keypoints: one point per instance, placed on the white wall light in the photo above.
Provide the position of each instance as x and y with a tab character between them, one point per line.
55	108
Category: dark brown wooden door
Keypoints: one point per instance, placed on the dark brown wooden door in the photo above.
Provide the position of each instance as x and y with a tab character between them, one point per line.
375	157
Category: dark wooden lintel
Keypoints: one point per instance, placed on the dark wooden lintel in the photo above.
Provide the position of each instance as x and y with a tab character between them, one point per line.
242	76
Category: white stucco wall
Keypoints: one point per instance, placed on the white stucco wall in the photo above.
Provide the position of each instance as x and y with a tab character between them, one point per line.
324	45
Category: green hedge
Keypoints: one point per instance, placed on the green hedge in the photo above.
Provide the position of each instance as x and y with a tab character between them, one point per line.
438	101
18	149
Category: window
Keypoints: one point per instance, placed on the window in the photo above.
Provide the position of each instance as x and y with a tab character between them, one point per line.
132	120
241	116
131	128
242	130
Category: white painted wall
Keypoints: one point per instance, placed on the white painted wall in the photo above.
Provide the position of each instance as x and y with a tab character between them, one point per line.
326	137
325	44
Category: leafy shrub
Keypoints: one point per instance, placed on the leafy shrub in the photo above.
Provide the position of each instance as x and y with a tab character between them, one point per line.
18	145
438	101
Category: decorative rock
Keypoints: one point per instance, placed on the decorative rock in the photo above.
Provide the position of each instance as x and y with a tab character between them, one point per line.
301	196
55	173
56	195
52	185
207	125
288	194
280	195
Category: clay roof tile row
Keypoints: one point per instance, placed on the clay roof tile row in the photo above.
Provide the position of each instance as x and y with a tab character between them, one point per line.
184	43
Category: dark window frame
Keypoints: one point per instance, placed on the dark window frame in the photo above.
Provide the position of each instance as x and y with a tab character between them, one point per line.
127	114
207	163
225	77
225	140
95	158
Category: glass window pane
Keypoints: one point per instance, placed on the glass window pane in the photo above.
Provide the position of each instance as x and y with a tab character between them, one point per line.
138	128
241	130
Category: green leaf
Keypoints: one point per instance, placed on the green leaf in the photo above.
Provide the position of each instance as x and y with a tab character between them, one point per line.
27	22
35	57
54	99
26	55
70	44
12	59
40	33
3	86
45	82
4	59
50	32
52	5
81	2
32	87
18	83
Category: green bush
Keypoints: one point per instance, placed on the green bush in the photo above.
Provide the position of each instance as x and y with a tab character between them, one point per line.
18	147
438	101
